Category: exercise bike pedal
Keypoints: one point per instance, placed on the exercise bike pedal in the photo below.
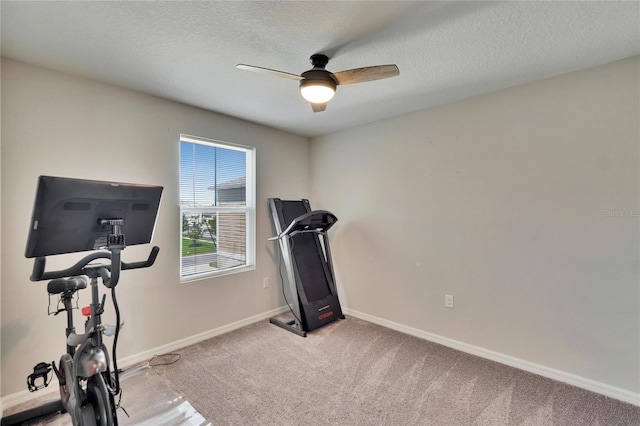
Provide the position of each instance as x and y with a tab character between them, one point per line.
40	371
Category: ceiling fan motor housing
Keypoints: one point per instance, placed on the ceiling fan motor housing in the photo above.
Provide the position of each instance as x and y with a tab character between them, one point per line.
318	77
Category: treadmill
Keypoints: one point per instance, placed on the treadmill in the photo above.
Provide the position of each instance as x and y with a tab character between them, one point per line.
304	246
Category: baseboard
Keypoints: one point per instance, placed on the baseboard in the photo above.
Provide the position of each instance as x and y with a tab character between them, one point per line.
541	370
197	338
26	396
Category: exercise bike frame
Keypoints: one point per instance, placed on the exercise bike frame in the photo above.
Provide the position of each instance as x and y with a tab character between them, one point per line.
88	361
87	385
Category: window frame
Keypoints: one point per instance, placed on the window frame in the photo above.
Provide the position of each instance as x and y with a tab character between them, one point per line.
249	208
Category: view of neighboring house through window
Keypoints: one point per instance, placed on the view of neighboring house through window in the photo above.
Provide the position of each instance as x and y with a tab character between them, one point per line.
217	208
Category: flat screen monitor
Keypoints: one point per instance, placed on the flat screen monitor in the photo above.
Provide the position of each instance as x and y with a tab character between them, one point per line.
67	214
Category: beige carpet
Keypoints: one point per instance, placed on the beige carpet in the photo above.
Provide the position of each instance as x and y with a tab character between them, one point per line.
349	372
353	372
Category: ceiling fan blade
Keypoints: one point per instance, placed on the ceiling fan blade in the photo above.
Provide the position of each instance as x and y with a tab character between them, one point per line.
318	107
269	71
360	75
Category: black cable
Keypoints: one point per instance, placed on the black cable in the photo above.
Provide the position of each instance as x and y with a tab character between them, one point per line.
116	375
120	406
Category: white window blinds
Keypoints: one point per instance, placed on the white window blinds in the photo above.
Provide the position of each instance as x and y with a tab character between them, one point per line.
217	207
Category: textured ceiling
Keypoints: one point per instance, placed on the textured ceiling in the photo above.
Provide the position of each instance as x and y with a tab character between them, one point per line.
446	51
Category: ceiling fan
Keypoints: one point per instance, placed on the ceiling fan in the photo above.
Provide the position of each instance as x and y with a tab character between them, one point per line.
318	85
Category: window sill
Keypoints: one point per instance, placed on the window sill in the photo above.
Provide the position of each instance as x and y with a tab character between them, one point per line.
208	275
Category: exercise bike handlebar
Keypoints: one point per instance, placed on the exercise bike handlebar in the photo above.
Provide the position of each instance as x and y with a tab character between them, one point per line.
78	268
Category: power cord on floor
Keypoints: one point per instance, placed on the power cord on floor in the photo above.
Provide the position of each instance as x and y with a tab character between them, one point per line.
119	403
119	406
174	357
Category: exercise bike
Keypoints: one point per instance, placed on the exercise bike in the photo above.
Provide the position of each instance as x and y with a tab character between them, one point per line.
72	215
88	385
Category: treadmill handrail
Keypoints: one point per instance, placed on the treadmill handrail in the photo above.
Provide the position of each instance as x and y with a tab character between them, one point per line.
305	223
294	233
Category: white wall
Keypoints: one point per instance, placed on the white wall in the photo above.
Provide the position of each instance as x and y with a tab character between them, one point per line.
60	125
523	204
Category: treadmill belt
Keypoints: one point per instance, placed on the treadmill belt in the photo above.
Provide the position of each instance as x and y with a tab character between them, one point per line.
310	267
306	252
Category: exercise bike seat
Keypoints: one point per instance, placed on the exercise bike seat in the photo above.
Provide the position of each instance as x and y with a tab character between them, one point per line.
62	285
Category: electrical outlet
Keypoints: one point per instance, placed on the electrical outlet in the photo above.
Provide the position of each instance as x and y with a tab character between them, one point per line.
265	282
448	301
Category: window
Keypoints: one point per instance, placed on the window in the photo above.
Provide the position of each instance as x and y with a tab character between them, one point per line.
217	208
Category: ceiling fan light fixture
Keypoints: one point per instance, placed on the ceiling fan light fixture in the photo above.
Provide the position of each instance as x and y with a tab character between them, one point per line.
317	91
318	86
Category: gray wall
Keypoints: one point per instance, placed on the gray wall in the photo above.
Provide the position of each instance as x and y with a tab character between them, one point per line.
523	204
60	125
515	202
